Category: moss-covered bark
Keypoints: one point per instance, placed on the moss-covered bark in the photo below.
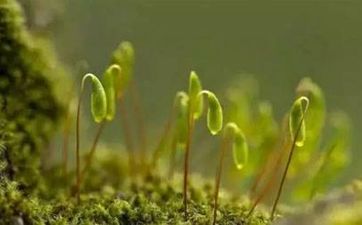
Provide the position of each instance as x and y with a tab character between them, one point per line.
29	110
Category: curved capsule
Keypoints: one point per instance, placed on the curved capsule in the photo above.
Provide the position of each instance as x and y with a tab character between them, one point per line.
317	108
195	88
240	146
297	121
98	98
109	78
214	112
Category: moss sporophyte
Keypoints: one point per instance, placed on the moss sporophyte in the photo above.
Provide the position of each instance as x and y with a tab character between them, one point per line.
232	134
118	192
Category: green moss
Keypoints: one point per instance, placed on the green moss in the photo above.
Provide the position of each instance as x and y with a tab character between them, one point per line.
29	109
148	200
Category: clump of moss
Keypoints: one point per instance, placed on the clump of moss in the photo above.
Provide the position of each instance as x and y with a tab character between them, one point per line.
29	109
148	200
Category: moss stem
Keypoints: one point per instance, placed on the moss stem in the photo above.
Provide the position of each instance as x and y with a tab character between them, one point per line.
127	135
291	152
137	110
77	146
190	125
223	149
260	175
90	156
271	180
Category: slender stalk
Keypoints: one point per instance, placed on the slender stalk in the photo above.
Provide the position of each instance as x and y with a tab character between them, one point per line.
259	177
268	185
291	152
271	180
190	125
137	110
77	146
127	135
88	162
218	176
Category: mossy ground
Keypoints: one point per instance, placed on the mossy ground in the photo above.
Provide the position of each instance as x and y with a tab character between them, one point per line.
146	199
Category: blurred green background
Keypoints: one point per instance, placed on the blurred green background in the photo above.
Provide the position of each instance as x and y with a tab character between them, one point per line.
279	42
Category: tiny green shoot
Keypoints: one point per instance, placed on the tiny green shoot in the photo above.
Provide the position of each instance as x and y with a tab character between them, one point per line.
109	77
124	56
175	126
232	134
195	109
297	132
180	131
99	111
214	112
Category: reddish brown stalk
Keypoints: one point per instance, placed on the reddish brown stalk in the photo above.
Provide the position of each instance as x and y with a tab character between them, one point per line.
218	176
260	175
291	152
89	158
272	164
271	181
77	146
190	125
137	110
127	135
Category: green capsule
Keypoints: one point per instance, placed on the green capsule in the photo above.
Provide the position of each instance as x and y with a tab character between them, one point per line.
214	112
98	98
109	78
316	115
240	146
296	120
196	103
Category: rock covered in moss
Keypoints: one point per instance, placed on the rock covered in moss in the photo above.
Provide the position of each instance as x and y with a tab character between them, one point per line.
29	109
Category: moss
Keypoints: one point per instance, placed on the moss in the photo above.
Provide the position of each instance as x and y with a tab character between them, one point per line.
148	200
29	108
